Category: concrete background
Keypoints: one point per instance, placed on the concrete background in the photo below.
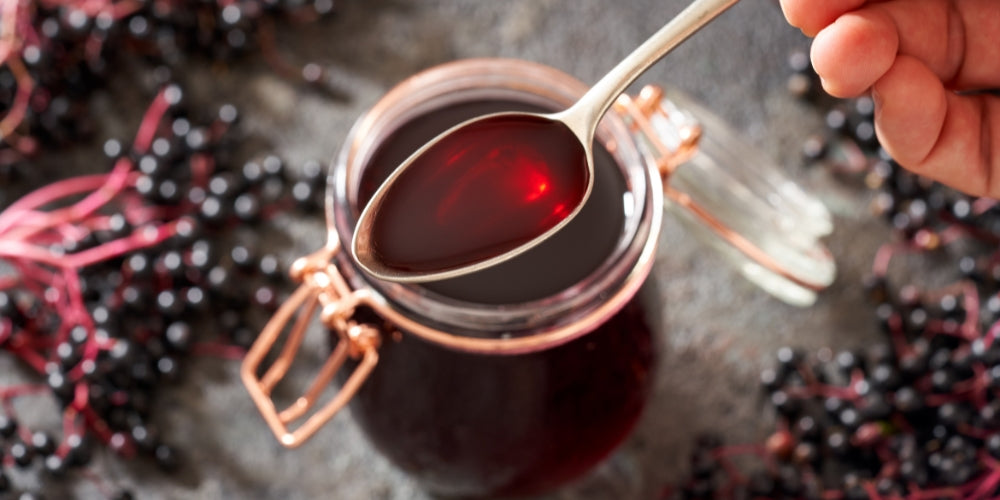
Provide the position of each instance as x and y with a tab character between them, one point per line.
719	330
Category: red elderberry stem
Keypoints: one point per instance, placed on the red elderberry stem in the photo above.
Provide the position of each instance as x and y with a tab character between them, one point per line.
137	210
15	391
952	233
883	257
141	238
77	313
947	492
29	356
935	400
202	166
150	123
985	487
981	205
815	388
113	184
217	130
8	282
857	377
8	23
899	342
100	428
125	8
96	222
92	47
21	212
871	490
27	251
7	399
25	84
35	278
723	453
991	334
115	181
77	372
6	329
974	432
980	389
99	482
70	426
27	277
988	459
93	8
970	295
822	391
81	396
966	386
63	233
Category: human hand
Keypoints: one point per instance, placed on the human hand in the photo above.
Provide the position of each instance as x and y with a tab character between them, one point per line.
927	64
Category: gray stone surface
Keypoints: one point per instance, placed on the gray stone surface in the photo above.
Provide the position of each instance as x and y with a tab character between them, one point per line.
719	330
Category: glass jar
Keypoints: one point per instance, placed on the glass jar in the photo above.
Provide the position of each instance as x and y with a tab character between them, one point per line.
521	377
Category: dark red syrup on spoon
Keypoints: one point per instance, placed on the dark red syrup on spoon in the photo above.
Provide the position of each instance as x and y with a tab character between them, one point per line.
481	191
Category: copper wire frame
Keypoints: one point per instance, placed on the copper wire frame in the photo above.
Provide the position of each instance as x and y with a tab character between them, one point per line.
323	287
648	103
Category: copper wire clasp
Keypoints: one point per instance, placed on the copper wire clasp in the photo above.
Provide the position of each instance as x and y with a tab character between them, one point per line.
321	285
674	138
684	132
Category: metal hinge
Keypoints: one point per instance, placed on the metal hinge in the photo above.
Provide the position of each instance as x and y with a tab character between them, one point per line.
321	287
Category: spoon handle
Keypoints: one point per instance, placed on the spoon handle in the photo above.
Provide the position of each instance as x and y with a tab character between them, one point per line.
587	111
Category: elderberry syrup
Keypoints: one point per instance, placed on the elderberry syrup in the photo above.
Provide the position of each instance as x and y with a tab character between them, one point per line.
565	259
478	424
485	188
531	419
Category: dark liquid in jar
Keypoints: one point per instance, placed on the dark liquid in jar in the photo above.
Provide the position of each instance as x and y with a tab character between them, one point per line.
482	190
508	425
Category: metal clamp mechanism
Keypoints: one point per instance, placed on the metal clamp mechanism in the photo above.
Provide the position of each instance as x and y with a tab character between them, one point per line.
675	144
751	209
321	285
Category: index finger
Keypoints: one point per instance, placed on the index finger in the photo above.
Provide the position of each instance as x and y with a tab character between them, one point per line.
811	16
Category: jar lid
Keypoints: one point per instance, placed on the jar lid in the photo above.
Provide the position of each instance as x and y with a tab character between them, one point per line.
732	196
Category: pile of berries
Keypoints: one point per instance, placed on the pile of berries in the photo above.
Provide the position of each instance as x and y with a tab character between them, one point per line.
118	278
916	415
110	282
54	54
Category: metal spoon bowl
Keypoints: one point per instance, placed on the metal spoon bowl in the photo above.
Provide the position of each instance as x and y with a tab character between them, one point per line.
581	119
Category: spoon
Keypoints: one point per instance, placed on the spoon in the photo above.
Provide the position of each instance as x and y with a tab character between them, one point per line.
495	186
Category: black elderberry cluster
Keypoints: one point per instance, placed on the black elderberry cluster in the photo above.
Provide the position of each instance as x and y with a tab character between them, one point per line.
63	54
203	291
916	415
